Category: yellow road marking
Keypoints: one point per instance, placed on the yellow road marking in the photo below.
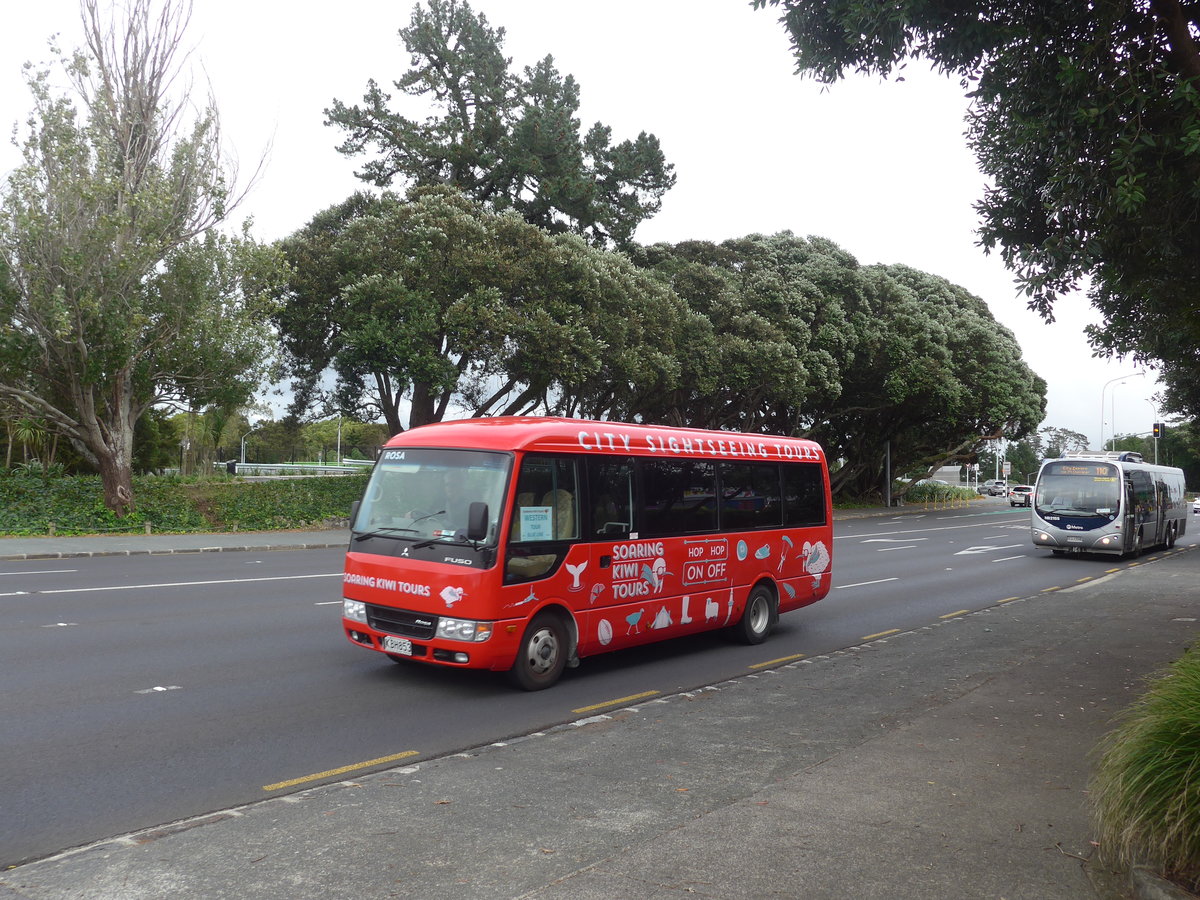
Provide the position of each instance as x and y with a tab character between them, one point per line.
340	771
775	662
607	703
961	612
1049	589
1009	599
871	637
1083	579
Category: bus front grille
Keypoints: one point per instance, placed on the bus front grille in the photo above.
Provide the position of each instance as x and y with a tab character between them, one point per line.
402	622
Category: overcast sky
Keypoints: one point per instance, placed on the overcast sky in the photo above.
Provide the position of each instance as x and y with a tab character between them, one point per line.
880	168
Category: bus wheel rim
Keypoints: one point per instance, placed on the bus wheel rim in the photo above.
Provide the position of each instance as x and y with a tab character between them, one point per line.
543	651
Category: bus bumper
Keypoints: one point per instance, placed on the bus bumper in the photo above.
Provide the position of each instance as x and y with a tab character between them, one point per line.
497	653
1111	544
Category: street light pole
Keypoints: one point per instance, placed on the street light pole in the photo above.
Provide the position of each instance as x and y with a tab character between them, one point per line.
1114	415
246	435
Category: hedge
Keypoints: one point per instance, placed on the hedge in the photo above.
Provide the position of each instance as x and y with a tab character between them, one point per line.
75	505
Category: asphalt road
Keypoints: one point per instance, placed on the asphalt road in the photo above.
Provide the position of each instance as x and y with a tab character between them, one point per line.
145	689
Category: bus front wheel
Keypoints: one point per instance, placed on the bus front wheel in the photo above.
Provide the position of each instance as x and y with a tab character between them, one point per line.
757	617
542	655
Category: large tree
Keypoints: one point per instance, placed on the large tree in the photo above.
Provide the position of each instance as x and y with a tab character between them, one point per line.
802	340
115	292
434	302
1085	118
506	139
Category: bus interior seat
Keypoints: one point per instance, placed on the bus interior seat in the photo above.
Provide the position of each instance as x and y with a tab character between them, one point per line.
562	505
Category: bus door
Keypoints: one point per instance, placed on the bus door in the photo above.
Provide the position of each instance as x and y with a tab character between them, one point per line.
545	558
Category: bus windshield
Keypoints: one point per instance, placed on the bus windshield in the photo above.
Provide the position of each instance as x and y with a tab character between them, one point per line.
1079	489
427	494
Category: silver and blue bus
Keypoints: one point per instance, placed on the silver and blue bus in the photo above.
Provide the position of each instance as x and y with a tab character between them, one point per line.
1113	503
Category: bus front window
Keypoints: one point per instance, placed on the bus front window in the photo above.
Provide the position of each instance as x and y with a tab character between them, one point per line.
428	494
1079	496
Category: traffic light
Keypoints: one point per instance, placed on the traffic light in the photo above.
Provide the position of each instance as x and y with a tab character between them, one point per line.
1159	429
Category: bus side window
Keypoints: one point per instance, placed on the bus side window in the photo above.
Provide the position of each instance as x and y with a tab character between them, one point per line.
610	489
545	516
803	494
547	507
750	496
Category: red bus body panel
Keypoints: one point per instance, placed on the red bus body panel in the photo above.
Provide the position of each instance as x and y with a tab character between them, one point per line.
618	593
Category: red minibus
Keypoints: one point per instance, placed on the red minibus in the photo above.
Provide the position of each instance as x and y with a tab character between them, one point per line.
523	544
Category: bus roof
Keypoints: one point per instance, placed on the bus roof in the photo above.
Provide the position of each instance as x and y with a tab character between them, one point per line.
565	435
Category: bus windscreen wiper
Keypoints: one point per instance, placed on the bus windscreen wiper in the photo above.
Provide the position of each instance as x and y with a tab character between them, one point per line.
384	531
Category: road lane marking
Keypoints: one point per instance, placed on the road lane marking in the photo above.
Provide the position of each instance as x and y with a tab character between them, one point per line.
328	603
1007	558
776	662
168	584
886	549
985	548
891	540
341	770
595	706
838	587
158	689
880	534
961	612
871	637
41	572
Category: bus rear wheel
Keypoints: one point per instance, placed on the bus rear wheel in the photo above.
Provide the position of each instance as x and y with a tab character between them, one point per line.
542	655
756	620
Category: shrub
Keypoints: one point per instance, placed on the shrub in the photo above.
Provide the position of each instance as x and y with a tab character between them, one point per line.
75	505
1146	790
933	492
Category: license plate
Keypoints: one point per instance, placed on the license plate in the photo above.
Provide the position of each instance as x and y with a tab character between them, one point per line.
403	646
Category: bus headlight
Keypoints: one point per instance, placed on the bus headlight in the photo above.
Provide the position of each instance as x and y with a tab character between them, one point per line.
354	610
463	630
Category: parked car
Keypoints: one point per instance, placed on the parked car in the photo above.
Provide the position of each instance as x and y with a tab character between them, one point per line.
1196	505
1020	495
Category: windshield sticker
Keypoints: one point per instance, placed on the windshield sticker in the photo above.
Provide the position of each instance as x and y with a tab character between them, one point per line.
536	523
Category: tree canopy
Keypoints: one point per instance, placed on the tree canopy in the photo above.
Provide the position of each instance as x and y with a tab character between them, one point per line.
512	141
115	292
425	302
805	341
1085	118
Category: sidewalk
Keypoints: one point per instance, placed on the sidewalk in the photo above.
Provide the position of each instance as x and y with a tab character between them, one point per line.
946	762
15	548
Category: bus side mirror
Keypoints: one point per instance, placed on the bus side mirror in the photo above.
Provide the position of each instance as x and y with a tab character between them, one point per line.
477	521
354	512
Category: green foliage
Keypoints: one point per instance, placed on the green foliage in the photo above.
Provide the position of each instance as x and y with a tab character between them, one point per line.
1146	790
511	141
931	492
792	336
115	292
1085	119
1025	462
435	297
1179	446
75	505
